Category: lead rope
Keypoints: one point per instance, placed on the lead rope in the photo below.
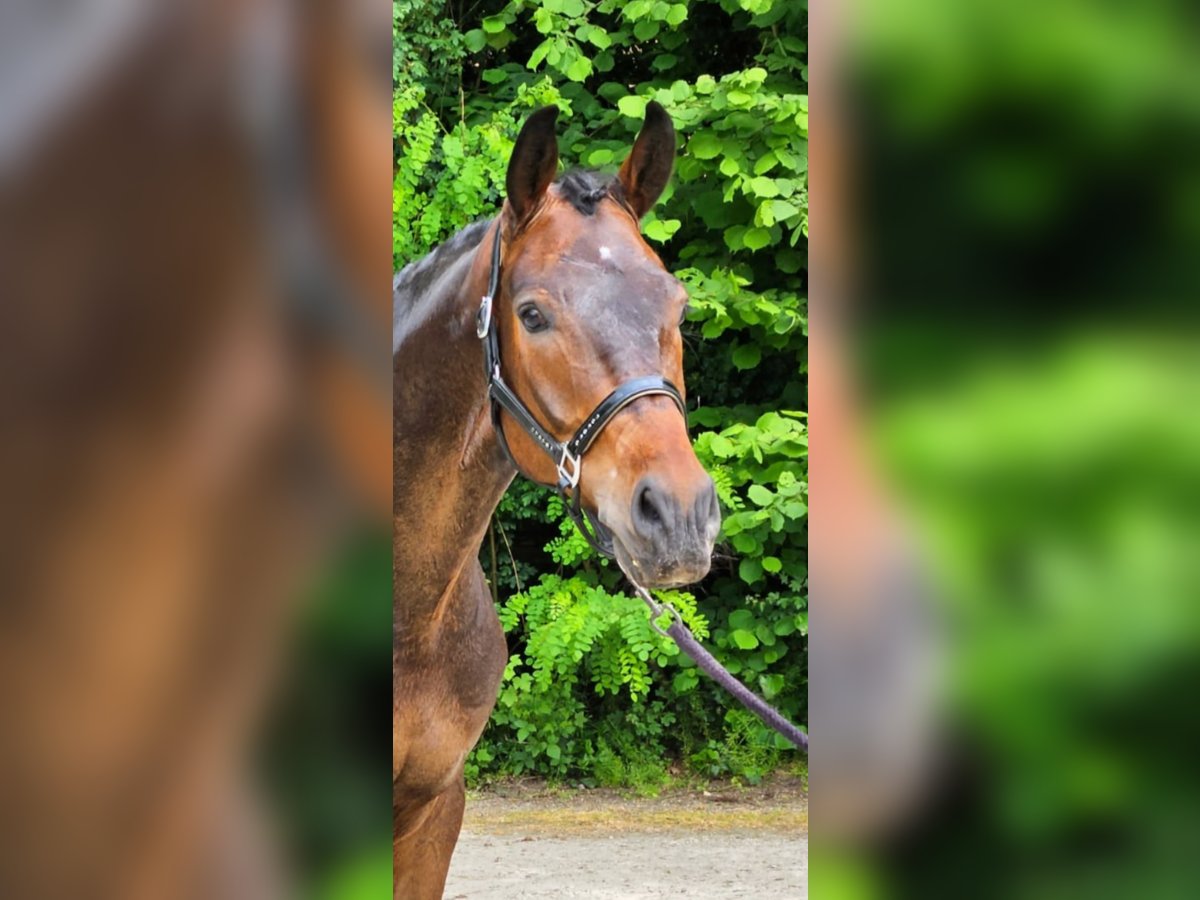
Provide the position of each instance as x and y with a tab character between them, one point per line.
683	637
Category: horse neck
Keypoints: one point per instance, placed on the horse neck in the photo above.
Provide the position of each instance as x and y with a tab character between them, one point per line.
449	472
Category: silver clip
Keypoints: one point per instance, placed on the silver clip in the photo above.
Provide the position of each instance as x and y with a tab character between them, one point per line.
483	321
656	609
569	475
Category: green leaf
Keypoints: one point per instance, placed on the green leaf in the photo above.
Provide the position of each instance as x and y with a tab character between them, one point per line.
664	61
677	14
599	38
546	23
601	156
745	543
539	53
764	186
771	564
756	238
750	571
572	8
760	495
706	416
636	9
632	106
611	91
704	145
783	209
742	618
789	261
685	681
771	686
747	356
721	446
779	426
660	230
765	163
579	69
475	40
744	639
494	24
705	84
646	29
495	76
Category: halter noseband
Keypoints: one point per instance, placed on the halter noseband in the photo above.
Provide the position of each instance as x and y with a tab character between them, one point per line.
567	457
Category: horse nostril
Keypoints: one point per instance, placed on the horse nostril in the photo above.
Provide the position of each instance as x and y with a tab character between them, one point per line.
651	510
647	506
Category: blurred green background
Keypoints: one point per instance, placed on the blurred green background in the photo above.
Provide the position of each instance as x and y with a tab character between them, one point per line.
326	740
1029	231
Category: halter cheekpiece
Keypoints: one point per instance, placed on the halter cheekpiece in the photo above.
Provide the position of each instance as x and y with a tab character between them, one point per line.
567	457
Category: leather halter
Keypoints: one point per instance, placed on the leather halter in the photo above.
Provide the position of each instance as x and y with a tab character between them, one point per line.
567	456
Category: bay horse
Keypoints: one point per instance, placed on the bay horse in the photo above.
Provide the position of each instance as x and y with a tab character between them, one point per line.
577	323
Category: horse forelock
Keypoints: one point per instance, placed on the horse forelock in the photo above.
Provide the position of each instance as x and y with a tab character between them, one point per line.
585	188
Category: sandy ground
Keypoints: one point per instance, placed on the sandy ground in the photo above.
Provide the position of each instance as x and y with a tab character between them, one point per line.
528	842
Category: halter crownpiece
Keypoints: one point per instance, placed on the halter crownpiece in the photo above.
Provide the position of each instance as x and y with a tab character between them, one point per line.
568	456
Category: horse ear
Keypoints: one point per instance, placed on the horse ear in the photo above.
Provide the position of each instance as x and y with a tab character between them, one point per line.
645	173
533	164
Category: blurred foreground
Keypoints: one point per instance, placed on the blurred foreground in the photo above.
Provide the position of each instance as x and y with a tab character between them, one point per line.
194	271
1006	450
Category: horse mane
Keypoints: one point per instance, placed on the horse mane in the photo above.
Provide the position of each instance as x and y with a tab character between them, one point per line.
415	278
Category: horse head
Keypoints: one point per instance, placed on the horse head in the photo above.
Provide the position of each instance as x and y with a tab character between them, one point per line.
584	307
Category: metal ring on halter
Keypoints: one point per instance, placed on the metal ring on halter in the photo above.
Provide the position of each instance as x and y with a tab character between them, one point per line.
483	320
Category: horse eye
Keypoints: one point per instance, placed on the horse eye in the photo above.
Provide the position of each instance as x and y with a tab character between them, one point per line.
532	318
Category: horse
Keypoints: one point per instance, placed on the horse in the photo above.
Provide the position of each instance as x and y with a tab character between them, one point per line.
545	341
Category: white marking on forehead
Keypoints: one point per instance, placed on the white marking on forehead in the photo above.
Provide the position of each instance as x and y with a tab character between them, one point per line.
605	253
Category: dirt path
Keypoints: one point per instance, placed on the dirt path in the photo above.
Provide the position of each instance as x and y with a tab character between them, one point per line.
528	843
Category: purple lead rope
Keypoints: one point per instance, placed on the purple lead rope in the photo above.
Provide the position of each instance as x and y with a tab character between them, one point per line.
681	635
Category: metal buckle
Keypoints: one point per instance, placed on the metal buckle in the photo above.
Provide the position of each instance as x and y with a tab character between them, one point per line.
483	320
568	476
656	609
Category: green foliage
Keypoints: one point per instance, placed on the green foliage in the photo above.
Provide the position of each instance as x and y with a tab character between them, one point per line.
578	688
591	692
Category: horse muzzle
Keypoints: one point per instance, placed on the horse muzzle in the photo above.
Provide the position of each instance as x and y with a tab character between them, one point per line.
669	538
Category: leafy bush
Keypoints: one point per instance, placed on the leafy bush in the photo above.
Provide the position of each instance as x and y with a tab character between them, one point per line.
591	691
